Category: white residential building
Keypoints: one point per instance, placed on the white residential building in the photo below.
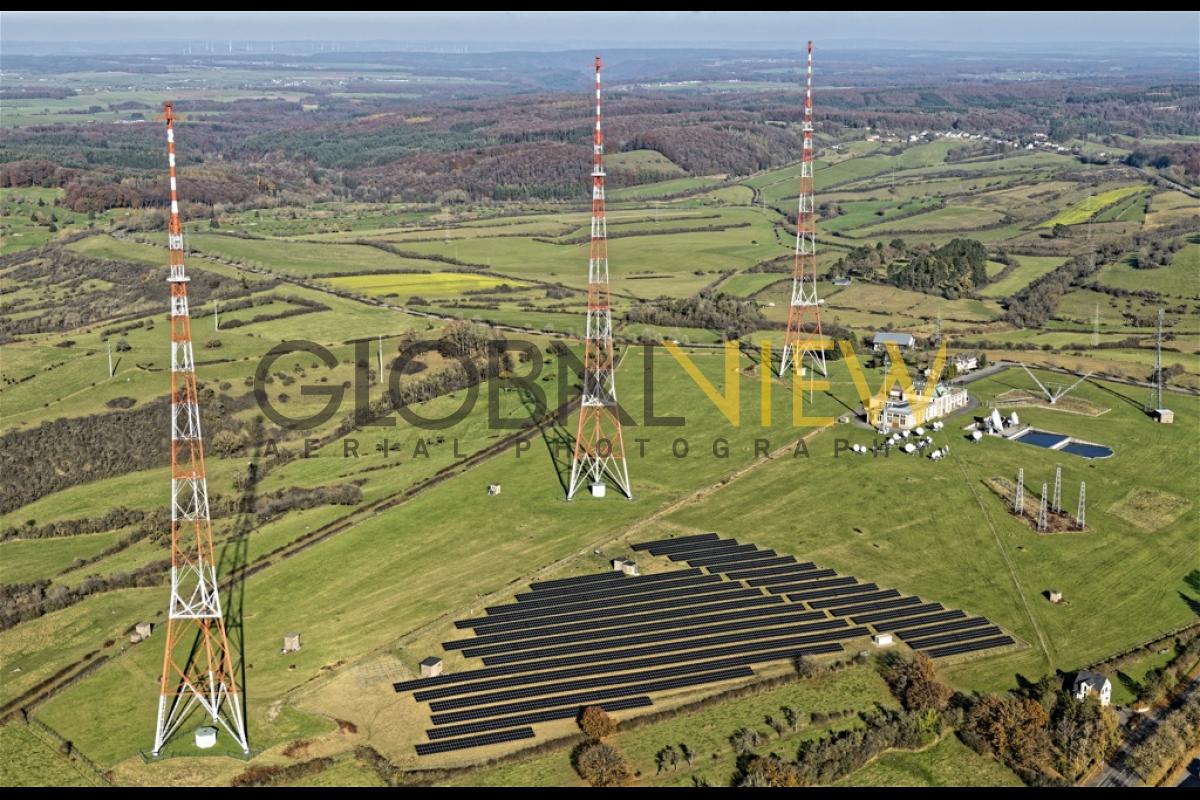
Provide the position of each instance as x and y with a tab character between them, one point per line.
1088	683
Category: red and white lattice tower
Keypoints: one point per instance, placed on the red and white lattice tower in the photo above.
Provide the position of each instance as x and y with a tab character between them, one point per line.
197	663
804	336
599	448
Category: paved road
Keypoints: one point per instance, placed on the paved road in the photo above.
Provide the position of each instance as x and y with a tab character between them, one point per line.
1115	773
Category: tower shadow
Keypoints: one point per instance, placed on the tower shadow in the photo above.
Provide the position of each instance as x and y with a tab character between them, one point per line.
558	439
232	563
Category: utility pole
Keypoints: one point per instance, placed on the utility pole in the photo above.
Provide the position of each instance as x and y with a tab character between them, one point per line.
216	315
110	364
1057	505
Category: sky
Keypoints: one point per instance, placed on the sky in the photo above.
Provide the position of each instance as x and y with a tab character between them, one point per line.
569	30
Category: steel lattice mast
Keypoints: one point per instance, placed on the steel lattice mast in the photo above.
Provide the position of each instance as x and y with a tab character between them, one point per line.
804	335
197	664
599	446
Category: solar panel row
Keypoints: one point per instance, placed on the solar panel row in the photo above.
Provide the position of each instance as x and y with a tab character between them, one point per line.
969	647
836	591
954	625
797	573
638	580
725	549
896	624
612	644
635	594
578	581
770	615
842	600
567	666
950	638
766	572
533	718
654	620
625	590
685	649
758	563
588	682
590	697
879	605
792	588
700	537
733	558
607	617
699	660
666	599
895	613
447	745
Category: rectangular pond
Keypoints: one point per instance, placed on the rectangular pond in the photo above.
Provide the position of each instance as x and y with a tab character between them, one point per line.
1066	444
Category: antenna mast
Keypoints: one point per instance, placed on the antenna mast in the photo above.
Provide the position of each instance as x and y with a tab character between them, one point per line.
599	446
806	306
198	669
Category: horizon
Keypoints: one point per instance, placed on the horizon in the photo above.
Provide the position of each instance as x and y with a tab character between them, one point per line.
558	31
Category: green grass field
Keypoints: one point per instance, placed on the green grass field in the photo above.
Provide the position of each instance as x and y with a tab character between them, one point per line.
380	595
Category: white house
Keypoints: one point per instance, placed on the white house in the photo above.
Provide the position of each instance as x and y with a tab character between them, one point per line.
1088	682
964	363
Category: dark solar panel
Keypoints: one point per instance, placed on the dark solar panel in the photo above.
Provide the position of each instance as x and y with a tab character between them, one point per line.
636	580
683	645
533	718
736	656
821	581
761	572
670	596
950	638
677	540
447	745
959	624
742	634
620	591
843	600
746	552
835	591
569	666
610	617
759	563
799	572
969	647
733	560
587	682
579	581
850	605
896	624
895	613
770	615
677	552
595	695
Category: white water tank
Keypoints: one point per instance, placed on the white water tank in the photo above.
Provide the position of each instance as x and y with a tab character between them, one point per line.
206	737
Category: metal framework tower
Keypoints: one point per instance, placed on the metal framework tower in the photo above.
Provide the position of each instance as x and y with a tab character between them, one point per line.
1081	514
1019	497
1057	504
197	663
804	335
1156	394
1042	520
599	447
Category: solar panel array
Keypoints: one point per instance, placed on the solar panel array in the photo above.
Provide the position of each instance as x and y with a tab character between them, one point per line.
615	640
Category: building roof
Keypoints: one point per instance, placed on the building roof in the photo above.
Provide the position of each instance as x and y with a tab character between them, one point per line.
431	661
883	337
1094	679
